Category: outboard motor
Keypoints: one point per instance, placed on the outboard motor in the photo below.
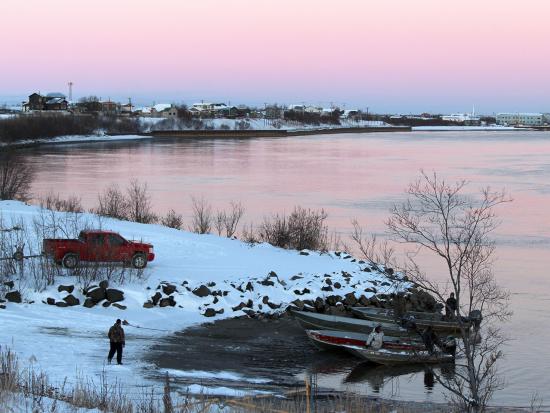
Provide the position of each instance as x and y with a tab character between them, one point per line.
475	317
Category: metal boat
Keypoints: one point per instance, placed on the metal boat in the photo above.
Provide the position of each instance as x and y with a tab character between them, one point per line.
315	321
421	319
396	357
335	340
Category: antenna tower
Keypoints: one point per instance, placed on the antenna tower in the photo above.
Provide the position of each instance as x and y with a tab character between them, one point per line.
70	91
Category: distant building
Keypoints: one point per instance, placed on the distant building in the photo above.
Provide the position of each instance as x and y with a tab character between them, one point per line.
469	119
50	102
110	107
520	119
204	109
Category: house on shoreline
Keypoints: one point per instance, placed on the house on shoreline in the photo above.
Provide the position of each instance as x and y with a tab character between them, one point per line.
52	102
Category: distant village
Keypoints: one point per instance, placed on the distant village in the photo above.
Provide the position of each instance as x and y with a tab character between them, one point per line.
59	104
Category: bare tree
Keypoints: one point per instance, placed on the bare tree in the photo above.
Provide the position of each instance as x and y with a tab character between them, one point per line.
139	203
440	218
16	176
202	216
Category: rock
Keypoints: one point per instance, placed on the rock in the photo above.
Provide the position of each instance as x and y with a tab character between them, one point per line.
371	290
61	304
202	291
156	298
250	303
332	300
104	284
210	312
328	281
249	287
211	284
169	289
50	301
2	307
337	285
385	284
68	288
113	295
106	304
364	301
389	271
273	306
97	294
296	277
319	305
367	269
327	288
220	311
304	253
148	304
306	291
350	300
337	253
299	304
267	283
13	297
167	302
338	310
225	293
265	299
239	307
119	306
9	284
71	300
89	303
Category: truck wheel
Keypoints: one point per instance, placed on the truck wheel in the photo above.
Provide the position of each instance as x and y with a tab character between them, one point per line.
139	261
70	260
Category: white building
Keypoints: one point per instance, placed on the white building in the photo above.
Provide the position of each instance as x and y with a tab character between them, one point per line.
466	118
520	119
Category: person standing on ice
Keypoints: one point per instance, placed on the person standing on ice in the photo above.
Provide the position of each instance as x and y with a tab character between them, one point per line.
117	341
376	338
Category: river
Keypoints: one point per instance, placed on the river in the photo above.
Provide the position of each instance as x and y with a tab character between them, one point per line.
351	176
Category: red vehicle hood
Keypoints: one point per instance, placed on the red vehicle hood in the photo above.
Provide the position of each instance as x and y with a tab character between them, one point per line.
141	244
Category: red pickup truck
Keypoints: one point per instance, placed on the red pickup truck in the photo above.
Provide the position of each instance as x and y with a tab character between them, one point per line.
98	246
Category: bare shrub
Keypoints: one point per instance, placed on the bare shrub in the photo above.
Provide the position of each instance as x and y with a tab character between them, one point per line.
202	216
112	203
56	203
302	229
374	251
227	222
249	234
16	176
139	203
172	220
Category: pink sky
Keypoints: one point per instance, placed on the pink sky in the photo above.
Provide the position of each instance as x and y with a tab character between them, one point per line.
399	55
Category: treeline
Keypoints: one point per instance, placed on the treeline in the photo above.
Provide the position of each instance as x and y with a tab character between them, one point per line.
41	127
313	118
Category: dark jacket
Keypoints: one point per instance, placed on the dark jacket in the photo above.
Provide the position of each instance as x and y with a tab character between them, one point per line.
116	334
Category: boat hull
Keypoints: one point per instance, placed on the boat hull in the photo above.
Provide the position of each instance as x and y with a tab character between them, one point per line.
314	321
422	320
391	357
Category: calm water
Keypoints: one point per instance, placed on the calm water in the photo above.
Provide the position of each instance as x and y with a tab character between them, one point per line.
352	176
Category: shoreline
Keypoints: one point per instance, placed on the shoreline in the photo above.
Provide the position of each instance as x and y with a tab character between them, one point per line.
240	134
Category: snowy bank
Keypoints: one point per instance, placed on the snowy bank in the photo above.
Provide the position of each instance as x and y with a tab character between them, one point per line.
205	275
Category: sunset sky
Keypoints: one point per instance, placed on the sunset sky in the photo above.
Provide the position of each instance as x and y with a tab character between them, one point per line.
391	55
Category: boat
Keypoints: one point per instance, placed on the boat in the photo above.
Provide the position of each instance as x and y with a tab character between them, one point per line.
421	319
398	357
315	321
334	340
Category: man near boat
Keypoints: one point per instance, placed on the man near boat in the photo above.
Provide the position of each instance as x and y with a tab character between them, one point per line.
376	338
450	307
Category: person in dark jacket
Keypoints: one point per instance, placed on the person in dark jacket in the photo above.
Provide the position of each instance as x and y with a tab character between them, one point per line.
450	307
117	341
430	339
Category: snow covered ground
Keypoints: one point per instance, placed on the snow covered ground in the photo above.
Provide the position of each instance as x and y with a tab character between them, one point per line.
71	342
79	138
